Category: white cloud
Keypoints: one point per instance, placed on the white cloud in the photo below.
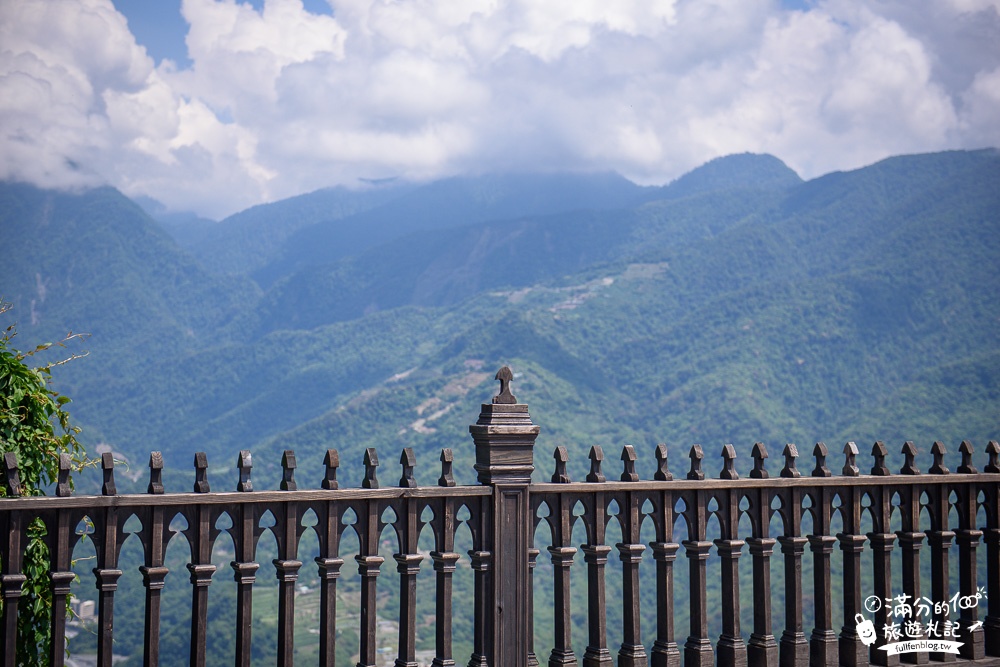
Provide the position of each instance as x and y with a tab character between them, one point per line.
237	51
53	68
282	101
81	104
979	113
975	5
824	94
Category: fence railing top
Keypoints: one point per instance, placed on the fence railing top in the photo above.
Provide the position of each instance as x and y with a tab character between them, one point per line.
504	438
750	483
238	497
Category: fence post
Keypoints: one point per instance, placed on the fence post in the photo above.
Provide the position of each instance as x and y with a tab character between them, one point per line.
505	437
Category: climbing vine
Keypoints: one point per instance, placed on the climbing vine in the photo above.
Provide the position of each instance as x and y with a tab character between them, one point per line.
35	426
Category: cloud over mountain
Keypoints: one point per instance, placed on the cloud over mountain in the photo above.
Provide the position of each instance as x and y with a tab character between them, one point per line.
281	101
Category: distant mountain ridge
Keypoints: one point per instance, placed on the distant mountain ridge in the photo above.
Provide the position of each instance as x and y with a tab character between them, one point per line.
273	241
245	241
744	170
248	240
449	203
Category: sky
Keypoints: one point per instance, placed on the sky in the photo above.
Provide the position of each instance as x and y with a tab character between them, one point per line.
213	106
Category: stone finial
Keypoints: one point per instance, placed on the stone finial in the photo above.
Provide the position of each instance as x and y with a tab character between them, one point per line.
331	462
108	468
909	459
662	473
759	453
201	473
63	488
966	467
821	452
505	375
697	456
11	475
560	476
993	452
371	463
447	477
729	463
596	457
155	473
850	468
288	471
628	464
880	452
504	436
938	451
790	452
408	460
245	465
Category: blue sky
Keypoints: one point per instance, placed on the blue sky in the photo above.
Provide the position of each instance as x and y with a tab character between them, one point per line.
217	105
159	26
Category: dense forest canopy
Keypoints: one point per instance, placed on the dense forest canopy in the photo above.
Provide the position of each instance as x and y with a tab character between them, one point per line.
737	304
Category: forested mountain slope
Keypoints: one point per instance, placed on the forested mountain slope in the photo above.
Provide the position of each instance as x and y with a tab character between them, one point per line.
445	204
737	304
95	262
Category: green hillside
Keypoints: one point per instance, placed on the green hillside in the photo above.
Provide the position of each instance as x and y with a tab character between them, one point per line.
738	304
804	322
856	306
96	263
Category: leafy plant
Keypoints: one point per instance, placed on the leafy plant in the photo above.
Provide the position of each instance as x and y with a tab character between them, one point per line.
34	426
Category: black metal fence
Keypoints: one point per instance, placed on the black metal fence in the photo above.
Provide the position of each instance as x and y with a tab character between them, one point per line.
504	513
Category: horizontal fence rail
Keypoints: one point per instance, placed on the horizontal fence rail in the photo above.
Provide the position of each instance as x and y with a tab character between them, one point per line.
504	513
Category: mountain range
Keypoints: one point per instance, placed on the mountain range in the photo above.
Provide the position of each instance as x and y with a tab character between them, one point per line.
737	304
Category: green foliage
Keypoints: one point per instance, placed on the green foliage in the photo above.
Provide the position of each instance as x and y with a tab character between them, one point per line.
35	426
33	422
